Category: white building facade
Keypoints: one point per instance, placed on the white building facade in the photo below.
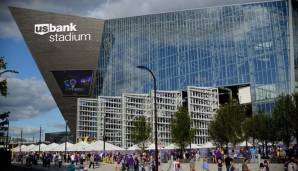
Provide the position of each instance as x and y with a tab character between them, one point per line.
202	105
117	113
87	118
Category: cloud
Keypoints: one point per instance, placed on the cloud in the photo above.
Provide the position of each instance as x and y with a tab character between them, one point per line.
27	98
27	131
56	125
103	9
126	8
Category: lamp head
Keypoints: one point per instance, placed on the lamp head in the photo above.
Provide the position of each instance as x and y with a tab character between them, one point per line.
141	67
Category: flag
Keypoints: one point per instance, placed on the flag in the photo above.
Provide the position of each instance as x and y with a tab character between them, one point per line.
4	115
4	122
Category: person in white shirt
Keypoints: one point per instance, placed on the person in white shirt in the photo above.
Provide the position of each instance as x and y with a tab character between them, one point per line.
72	157
176	165
59	161
292	166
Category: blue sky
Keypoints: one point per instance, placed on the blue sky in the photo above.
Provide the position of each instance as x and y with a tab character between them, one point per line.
19	58
29	99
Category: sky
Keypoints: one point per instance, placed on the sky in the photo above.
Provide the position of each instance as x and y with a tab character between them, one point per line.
29	99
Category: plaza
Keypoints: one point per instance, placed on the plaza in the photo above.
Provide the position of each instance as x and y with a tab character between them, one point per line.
163	167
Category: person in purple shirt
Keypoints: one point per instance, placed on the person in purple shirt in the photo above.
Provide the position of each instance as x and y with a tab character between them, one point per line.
218	154
130	163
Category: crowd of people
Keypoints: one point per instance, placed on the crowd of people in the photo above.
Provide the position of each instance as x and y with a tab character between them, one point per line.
145	161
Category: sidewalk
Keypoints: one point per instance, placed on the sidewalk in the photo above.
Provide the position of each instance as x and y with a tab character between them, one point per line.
162	167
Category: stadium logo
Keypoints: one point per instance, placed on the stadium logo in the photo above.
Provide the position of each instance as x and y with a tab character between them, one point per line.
59	35
42	29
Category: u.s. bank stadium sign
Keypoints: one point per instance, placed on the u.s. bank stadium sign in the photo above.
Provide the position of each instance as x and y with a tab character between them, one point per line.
61	33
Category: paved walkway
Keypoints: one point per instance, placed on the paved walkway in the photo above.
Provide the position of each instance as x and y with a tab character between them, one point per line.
163	167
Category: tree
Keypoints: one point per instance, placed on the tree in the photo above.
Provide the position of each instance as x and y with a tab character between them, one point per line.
3	83
4	124
226	127
294	115
217	129
283	110
250	128
141	131
265	129
181	130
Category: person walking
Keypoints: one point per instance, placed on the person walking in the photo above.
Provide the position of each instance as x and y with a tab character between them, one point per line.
72	158
59	160
192	163
266	165
233	166
176	165
205	165
91	161
71	167
136	164
292	166
228	160
262	167
245	165
219	165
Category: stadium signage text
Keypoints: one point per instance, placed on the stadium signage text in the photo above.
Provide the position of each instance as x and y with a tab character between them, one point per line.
58	32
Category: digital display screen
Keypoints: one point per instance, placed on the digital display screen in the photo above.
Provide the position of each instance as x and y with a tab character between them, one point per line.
74	82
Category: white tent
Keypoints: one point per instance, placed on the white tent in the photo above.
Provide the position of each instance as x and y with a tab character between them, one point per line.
51	146
61	147
134	147
81	146
192	146
36	147
98	146
243	144
28	148
152	147
18	148
207	145
171	147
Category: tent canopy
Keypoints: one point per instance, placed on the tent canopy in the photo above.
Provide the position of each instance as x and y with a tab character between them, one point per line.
193	146
152	147
98	146
171	147
51	146
134	147
243	144
207	145
61	147
81	146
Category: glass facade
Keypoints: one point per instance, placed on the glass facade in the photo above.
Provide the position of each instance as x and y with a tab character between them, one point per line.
295	38
209	47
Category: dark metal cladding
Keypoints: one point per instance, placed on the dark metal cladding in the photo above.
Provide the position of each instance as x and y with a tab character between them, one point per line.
61	55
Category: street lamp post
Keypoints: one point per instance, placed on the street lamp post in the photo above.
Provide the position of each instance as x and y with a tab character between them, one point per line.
104	133
65	148
39	140
155	115
7	143
21	142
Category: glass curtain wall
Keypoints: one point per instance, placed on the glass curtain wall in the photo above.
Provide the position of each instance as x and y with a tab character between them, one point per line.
209	47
